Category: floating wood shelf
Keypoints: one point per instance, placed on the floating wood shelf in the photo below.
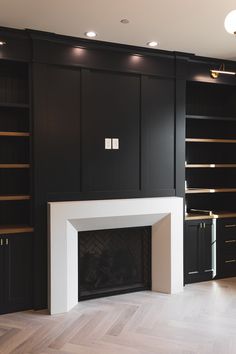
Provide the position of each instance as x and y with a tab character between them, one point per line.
15	229
214	215
209	190
14	165
212	165
192	116
14	197
200	140
14	134
14	105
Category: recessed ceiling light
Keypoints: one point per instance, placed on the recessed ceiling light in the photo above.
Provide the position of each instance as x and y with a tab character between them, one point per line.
125	21
2	42
90	34
152	43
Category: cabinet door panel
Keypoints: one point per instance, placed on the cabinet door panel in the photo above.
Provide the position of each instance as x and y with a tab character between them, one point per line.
206	248
56	129
2	278
110	109
18	272
191	251
198	248
158	129
19	267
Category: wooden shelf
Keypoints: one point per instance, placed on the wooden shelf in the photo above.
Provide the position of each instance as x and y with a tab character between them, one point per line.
14	197
14	134
200	140
14	105
190	116
215	215
212	165
14	165
15	229
209	190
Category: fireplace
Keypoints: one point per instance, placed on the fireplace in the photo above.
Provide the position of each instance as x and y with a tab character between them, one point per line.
114	261
163	215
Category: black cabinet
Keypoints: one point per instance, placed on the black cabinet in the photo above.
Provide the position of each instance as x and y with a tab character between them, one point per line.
226	250
199	251
15	272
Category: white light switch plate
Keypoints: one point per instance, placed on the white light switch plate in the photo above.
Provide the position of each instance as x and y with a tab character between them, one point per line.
115	143
107	143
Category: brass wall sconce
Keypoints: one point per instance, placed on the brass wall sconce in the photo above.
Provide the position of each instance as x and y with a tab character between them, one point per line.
221	71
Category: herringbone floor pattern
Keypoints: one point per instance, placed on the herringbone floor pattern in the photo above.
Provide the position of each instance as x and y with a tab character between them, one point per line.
201	320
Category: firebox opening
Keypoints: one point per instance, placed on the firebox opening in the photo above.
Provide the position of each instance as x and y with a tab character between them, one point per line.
114	261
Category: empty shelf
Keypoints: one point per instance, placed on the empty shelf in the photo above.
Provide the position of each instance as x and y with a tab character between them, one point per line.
15	229
209	190
14	134
14	197
212	165
200	140
14	165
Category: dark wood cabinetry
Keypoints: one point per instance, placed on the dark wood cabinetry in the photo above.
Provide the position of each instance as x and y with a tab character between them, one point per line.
78	93
210	177
15	188
210	149
15	272
226	247
15	143
199	251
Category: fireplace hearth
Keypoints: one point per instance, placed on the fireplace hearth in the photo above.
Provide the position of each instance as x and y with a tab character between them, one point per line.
114	261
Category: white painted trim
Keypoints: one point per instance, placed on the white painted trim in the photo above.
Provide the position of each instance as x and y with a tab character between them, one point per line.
165	215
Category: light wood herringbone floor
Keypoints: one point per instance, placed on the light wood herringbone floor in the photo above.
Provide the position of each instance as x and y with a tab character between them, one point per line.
200	320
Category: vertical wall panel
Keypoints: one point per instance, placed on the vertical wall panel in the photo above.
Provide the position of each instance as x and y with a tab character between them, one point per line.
158	136
56	94
110	109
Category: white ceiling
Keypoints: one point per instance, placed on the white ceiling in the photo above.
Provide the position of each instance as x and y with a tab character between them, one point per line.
194	26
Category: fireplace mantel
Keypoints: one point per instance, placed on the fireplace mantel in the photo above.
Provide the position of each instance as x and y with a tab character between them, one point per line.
165	215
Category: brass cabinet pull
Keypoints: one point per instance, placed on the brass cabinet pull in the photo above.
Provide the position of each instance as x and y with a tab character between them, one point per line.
230	241
6	241
230	225
1	242
231	261
196	272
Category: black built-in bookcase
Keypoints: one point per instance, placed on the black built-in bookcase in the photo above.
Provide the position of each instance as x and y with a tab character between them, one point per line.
16	223
210	180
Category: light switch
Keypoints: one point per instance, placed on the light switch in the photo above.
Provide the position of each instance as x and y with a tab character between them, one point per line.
115	143
107	143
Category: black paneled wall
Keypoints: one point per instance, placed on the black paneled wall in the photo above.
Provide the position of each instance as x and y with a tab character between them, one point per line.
75	108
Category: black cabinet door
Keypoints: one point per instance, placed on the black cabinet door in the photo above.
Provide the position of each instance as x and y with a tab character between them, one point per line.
206	260
17	272
192	267
110	109
2	277
198	250
158	136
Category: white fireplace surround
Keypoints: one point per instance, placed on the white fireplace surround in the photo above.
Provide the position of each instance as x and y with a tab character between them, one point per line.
165	215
